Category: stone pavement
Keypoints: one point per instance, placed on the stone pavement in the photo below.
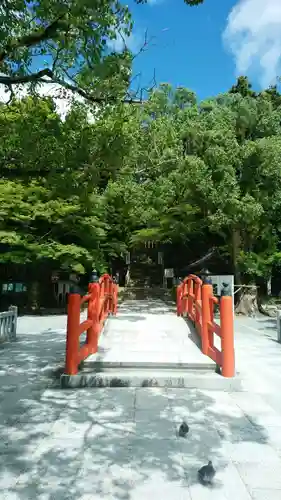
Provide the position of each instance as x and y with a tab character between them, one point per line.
122	444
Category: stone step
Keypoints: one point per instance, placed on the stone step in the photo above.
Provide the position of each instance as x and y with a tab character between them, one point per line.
129	377
143	293
94	365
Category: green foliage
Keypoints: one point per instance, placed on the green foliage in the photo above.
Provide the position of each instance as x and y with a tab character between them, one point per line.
188	175
81	192
50	210
71	38
211	169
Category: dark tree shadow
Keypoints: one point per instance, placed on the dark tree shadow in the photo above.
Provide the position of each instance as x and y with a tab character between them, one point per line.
104	442
61	444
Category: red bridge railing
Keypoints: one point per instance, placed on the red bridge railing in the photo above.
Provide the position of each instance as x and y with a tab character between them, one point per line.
195	299
102	301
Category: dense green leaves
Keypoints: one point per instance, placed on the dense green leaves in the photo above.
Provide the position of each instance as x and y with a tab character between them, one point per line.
188	175
65	42
49	208
212	169
82	191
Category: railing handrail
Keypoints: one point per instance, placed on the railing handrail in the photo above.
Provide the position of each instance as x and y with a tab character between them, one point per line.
8	324
194	278
104	277
102	300
195	299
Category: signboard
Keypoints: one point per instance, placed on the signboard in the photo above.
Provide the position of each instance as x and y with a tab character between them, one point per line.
218	280
168	273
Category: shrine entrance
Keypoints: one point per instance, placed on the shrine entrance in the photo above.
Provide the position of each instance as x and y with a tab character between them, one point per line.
145	266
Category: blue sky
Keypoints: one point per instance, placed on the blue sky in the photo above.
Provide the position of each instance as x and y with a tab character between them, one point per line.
204	48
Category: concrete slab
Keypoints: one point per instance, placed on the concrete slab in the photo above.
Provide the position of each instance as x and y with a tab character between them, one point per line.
148	334
265	475
263	494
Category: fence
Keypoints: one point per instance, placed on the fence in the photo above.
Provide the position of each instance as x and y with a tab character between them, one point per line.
196	300
102	300
8	324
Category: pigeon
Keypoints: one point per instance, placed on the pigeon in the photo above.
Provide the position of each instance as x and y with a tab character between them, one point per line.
207	473
183	430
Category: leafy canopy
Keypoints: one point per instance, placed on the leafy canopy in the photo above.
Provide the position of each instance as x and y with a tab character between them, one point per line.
71	38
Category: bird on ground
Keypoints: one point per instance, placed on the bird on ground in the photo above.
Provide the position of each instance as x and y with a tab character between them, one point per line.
183	430
207	473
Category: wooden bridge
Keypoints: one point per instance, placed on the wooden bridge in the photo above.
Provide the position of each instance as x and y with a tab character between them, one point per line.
148	342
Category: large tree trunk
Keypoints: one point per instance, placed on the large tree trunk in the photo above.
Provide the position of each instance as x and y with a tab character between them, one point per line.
247	304
263	290
245	296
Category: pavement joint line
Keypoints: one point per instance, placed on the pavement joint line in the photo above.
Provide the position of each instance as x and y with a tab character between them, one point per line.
261	359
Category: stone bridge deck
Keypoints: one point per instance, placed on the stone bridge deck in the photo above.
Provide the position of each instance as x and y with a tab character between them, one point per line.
148	333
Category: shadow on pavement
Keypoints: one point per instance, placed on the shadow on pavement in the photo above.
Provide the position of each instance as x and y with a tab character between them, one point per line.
128	317
109	444
153	306
115	443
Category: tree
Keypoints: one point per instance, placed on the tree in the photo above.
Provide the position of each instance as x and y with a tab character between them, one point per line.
72	39
209	173
50	208
188	175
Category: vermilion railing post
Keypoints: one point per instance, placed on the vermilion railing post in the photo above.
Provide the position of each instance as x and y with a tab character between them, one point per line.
107	296
211	308
115	299
102	301
198	287
93	315
190	291
227	336
179	299
72	336
184	298
207	292
110	292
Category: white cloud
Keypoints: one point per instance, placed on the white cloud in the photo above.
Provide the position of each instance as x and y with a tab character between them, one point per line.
253	35
63	104
154	2
63	98
132	42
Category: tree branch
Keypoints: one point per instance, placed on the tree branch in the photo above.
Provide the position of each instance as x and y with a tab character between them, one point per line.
39	77
206	257
33	77
145	44
34	38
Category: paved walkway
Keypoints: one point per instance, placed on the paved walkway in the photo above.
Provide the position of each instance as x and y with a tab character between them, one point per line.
121	444
148	333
